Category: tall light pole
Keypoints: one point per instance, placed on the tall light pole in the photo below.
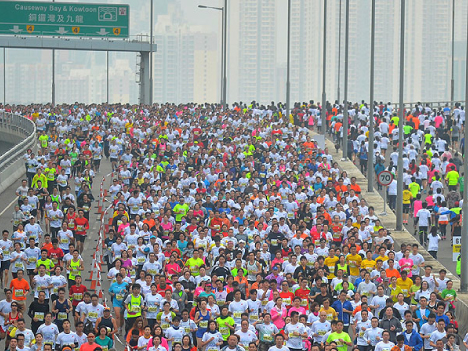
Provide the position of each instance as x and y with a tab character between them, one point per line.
345	112
223	50
4	76
288	65
107	76
225	17
452	81
339	55
53	75
151	55
399	204
370	157
324	95
464	241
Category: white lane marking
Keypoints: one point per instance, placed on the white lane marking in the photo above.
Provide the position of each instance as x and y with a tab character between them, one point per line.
8	206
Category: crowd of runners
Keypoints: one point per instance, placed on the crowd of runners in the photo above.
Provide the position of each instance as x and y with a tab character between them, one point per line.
232	229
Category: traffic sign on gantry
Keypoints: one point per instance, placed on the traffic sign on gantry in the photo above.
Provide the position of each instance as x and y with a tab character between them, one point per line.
64	19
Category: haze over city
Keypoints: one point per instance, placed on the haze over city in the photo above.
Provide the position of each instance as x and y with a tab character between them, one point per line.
187	61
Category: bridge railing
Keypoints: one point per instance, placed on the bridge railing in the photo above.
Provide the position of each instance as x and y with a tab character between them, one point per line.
21	131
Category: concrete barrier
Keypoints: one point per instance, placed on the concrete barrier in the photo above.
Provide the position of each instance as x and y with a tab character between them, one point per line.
389	221
21	132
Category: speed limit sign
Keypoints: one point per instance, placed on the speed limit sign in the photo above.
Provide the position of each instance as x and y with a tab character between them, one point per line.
385	178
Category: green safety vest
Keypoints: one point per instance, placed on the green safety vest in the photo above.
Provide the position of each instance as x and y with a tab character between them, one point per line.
47	263
50	173
55	198
343	268
135	306
74	269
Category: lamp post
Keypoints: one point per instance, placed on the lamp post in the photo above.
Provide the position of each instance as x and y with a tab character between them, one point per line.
53	75
223	49
464	241
370	157
339	56
345	112
324	94
452	81
288	65
399	204
151	56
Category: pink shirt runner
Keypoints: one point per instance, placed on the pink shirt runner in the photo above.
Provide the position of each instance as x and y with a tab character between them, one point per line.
406	264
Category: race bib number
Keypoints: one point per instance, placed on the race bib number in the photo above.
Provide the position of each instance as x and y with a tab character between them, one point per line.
92	314
203	324
224	330
237	314
268	338
32	260
62	316
141	260
39	316
19	293
77	296
153	309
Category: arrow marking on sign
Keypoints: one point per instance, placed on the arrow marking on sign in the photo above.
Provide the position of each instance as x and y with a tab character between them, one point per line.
61	30
16	29
102	32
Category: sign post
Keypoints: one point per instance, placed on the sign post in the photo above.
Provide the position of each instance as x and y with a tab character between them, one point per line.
385	178
64	19
456	248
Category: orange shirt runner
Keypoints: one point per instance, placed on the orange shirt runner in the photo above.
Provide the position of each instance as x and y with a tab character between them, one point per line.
20	289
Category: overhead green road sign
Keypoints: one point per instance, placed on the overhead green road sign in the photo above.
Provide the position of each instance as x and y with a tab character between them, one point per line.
64	19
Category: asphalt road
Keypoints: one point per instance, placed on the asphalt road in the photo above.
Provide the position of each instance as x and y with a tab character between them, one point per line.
444	255
4	146
8	200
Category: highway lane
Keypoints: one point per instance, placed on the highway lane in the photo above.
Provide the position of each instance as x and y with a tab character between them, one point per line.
8	200
4	146
444	255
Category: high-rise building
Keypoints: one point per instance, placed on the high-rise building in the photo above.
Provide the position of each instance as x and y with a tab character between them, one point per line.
428	36
252	50
428	50
186	62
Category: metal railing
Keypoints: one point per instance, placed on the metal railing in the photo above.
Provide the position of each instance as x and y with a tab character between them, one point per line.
433	104
11	123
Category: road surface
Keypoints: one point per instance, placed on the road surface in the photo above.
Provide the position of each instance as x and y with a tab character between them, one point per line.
8	200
